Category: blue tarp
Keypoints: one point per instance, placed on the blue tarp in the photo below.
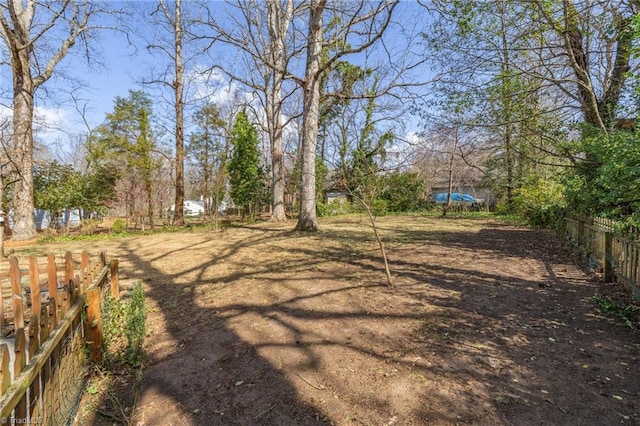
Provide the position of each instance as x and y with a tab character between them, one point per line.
455	196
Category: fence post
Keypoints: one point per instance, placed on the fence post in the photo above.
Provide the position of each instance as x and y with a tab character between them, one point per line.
5	373
94	324
113	267
68	282
52	279
580	241
34	285
85	261
607	264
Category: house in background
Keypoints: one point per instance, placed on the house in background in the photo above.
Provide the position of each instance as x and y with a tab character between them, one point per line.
335	196
69	218
194	208
191	208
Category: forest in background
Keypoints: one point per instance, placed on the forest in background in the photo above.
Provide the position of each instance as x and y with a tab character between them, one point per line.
277	105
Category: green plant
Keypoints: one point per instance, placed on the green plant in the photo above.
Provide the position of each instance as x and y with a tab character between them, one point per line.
540	202
334	208
626	313
402	191
605	183
136	325
94	387
247	178
124	329
119	226
116	382
105	395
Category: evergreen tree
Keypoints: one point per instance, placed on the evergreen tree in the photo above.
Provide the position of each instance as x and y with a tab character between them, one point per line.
246	177
208	152
126	142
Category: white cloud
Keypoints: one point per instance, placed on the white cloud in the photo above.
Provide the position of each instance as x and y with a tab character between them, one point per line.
213	86
51	124
413	138
48	123
5	111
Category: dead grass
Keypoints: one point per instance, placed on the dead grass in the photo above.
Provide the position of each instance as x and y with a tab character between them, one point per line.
488	324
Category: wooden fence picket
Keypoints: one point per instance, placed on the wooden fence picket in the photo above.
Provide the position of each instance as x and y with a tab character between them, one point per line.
617	252
48	358
34	284
52	276
34	335
5	372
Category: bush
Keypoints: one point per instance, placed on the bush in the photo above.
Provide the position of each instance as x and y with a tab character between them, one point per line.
403	192
606	181
379	207
124	329
334	208
540	202
119	226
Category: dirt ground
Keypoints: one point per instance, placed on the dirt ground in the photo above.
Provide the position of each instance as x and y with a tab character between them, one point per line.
488	324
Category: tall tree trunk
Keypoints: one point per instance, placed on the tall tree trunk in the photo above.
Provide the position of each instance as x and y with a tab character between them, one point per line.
278	21
506	94
23	106
178	215
307	221
22	45
452	156
150	208
3	216
599	113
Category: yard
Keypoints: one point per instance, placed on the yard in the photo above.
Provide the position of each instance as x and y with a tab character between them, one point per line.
488	324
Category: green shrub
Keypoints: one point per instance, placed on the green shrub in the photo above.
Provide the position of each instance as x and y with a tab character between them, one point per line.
333	208
119	226
606	182
540	202
625	313
379	207
403	192
124	329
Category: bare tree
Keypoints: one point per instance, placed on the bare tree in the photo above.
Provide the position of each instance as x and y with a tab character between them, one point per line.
279	19
5	137
579	49
307	220
173	78
259	30
587	53
178	87
37	35
360	26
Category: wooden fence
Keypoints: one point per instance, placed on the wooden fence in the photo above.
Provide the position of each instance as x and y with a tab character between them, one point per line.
51	327
616	251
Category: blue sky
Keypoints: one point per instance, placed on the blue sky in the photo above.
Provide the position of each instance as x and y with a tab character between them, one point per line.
122	69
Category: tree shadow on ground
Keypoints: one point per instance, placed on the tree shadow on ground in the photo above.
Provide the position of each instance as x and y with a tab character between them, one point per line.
490	325
203	376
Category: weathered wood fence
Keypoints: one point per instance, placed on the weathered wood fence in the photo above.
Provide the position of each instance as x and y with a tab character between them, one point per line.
51	327
616	251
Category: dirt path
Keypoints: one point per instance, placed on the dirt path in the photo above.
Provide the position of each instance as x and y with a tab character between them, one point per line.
488	325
